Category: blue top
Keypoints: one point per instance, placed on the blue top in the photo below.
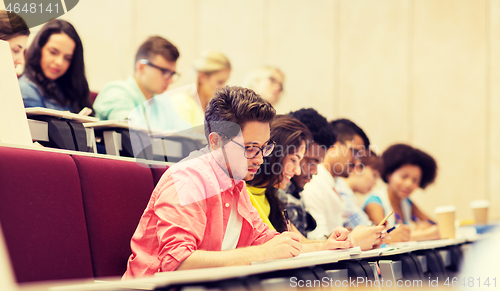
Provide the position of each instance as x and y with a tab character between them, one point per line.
33	96
381	197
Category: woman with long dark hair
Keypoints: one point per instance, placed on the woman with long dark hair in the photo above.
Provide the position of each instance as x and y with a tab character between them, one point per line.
54	76
291	137
15	31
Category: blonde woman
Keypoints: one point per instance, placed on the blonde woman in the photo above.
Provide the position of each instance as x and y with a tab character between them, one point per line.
267	82
212	71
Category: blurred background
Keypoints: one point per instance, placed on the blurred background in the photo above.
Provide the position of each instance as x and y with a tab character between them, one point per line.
424	72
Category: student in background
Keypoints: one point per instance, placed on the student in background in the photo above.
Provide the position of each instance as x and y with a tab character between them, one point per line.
212	72
54	75
154	70
361	180
319	195
322	139
267	82
406	169
291	138
15	31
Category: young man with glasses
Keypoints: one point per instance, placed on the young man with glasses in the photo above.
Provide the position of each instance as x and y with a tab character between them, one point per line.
320	196
199	214
154	71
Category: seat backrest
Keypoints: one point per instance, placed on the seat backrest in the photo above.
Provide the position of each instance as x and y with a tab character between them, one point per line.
42	215
157	172
115	194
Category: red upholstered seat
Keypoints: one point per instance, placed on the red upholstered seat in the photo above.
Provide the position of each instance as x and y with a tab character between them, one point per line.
115	194
158	172
42	216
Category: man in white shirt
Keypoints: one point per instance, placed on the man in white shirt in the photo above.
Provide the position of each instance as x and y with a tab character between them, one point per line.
320	197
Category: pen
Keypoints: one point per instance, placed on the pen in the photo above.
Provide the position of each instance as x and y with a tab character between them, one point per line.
287	220
392	228
385	219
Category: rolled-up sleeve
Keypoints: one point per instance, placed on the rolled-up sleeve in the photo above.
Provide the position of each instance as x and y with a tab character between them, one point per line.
180	228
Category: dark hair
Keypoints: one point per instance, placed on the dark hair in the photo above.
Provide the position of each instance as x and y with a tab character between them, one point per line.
157	45
345	130
289	134
12	25
321	130
232	107
373	161
73	84
399	155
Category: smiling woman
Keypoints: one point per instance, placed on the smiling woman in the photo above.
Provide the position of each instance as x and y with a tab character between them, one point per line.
405	169
15	31
54	76
291	137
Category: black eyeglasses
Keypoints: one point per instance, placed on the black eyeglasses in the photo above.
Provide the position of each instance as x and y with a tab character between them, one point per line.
167	73
252	151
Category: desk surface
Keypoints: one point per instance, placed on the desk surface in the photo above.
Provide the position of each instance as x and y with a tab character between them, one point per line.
32	111
223	273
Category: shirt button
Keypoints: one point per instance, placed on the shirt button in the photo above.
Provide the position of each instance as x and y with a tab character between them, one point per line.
227	204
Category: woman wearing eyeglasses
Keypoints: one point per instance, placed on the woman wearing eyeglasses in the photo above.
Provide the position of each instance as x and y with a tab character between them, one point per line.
290	137
15	31
212	71
267	82
54	76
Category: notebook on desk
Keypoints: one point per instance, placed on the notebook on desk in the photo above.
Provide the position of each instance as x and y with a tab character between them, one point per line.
319	256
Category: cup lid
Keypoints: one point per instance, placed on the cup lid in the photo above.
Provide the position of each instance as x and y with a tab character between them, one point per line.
480	204
444	209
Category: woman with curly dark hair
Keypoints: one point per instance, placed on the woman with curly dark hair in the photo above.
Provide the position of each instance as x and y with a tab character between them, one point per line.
405	169
54	76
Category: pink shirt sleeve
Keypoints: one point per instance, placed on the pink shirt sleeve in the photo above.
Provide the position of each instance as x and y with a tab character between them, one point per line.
180	228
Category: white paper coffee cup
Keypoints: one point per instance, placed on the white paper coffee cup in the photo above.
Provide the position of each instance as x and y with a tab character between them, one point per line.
480	210
446	221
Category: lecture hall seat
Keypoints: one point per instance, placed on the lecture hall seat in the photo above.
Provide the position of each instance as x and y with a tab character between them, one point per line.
115	195
42	215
